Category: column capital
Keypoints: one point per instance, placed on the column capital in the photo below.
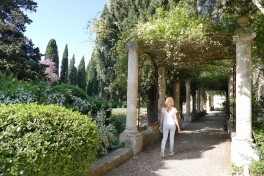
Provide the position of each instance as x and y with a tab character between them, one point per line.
131	44
244	33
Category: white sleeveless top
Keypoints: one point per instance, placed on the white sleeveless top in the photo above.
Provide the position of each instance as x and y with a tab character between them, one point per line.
169	117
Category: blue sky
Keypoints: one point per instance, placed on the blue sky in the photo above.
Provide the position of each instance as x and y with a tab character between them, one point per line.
66	22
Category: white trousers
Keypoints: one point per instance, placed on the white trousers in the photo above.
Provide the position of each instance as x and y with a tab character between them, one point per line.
166	130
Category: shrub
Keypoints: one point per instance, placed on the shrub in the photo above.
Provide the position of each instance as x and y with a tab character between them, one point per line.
106	134
98	104
69	101
45	140
13	91
119	122
257	167
64	89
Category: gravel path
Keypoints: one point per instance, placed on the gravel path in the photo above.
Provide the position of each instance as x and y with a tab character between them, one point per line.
202	149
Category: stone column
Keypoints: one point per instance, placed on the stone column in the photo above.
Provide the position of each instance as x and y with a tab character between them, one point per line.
231	98
177	95
203	100
241	147
131	137
212	102
198	100
177	100
188	117
194	103
208	97
162	87
243	37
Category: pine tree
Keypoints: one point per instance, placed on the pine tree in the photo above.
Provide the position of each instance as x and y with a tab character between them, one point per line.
81	74
72	76
52	53
64	66
18	55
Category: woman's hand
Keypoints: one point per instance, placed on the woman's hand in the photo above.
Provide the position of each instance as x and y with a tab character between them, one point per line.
179	130
160	128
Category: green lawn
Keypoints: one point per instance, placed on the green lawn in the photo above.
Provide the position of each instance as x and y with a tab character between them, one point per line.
118	111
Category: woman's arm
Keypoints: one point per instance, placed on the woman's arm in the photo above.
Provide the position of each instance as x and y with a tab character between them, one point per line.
161	118
177	122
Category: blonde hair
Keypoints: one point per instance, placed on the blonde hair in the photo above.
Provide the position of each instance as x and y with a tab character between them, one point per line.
169	102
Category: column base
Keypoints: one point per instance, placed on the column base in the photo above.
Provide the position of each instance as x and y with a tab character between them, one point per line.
133	140
243	152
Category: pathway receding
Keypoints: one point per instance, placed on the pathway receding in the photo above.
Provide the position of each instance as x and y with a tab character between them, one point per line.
202	149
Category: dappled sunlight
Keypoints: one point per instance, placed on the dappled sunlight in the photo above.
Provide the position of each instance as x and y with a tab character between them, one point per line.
198	146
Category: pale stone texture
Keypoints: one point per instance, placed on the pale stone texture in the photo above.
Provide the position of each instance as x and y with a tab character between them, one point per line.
162	88
231	108
187	116
177	100
131	137
112	160
242	151
132	87
177	95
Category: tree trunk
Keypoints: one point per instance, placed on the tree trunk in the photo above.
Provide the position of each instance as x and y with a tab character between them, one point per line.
152	105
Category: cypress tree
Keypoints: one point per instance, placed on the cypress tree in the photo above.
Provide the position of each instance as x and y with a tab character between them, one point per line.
92	80
72	76
64	66
52	53
81	74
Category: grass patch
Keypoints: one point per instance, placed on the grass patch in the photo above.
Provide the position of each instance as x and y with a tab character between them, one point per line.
123	111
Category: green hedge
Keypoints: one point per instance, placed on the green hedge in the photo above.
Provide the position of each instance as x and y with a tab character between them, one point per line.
75	91
45	140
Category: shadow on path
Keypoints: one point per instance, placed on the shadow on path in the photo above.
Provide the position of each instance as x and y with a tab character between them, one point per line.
202	149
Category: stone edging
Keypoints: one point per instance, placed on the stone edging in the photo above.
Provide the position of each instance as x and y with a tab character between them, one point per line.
110	161
117	157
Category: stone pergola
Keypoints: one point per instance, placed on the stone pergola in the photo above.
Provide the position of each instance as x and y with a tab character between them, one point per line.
242	137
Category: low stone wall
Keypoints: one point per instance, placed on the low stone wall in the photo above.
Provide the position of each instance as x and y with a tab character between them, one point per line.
150	137
117	157
110	161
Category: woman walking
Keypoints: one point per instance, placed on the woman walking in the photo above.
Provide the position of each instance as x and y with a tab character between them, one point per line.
168	123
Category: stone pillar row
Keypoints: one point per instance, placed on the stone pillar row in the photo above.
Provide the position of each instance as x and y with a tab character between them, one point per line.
188	117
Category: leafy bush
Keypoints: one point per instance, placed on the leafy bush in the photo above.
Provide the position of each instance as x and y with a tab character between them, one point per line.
75	98
257	110
13	91
119	122
98	104
64	89
69	101
106	134
45	140
258	166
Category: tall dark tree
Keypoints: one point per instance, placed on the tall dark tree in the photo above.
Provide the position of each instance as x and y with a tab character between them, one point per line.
91	77
64	66
81	74
17	53
52	53
72	76
118	19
